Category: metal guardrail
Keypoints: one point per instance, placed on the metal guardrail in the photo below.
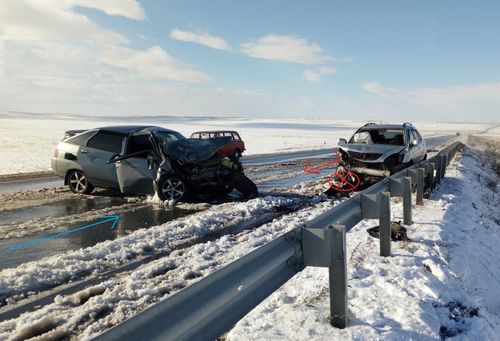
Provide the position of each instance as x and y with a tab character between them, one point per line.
210	307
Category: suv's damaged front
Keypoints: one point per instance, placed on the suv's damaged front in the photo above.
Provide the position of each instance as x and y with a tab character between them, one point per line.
375	152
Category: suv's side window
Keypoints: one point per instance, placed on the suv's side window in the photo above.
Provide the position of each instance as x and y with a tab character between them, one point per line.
107	141
413	137
419	137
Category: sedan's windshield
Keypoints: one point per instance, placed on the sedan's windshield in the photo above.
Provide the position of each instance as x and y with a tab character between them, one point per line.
164	136
379	136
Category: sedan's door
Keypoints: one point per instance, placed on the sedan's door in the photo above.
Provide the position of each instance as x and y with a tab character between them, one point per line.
95	155
135	170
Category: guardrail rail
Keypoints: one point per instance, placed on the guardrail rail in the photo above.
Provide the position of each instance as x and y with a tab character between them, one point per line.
210	307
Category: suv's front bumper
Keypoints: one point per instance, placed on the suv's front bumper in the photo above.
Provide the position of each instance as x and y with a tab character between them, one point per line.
371	172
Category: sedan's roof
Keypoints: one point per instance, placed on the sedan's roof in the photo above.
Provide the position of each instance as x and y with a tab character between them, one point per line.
127	129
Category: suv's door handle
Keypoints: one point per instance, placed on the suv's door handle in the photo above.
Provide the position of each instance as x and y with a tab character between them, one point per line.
84	151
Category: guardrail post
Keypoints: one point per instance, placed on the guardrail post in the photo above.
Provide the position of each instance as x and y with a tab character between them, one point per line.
420	186
445	164
378	206
338	278
439	169
431	176
407	216
385	223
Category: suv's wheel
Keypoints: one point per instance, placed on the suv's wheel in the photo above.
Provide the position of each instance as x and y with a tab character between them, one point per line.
172	188
78	182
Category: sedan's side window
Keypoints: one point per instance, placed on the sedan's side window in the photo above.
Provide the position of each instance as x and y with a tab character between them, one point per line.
107	141
80	139
139	143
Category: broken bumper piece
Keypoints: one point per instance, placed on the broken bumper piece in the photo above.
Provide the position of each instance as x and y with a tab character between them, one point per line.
371	172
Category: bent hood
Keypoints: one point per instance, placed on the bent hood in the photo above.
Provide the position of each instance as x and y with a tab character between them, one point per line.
372	152
191	150
374	148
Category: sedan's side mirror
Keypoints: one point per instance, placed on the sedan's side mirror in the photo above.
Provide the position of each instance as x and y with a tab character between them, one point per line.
114	158
341	142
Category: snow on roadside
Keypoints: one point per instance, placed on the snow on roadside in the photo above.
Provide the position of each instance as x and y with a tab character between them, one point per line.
85	314
443	283
54	270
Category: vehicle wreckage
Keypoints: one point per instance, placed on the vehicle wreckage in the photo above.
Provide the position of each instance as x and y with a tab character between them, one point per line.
374	152
148	160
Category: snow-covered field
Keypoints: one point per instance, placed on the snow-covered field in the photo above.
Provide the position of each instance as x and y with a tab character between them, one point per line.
27	141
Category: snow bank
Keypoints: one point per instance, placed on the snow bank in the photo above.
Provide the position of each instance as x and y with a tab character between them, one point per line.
54	270
93	310
444	282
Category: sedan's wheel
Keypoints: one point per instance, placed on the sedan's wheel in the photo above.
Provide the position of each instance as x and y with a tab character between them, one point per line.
172	188
78	183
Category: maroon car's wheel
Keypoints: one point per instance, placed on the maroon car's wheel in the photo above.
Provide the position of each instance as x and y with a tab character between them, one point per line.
78	182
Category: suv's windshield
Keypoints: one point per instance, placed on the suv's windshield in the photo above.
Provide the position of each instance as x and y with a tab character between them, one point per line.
379	136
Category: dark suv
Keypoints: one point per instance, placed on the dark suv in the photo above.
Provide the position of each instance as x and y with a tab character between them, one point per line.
380	150
145	160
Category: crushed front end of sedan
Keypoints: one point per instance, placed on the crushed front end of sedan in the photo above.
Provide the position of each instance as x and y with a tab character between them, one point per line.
148	160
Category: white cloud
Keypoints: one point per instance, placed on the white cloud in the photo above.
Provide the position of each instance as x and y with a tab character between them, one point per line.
154	63
459	102
449	95
327	70
311	76
56	77
286	49
315	76
200	38
131	9
57	19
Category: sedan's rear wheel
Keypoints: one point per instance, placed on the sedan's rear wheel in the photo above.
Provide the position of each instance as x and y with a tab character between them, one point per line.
172	188
78	182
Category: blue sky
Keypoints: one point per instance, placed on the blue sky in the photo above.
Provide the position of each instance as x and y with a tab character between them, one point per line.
391	60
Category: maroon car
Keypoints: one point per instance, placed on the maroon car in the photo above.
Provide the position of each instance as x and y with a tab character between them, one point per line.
233	150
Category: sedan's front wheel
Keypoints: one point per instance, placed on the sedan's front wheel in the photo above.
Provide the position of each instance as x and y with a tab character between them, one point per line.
172	188
78	182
